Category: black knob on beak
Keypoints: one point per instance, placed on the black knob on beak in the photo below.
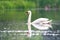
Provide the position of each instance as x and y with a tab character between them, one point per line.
27	13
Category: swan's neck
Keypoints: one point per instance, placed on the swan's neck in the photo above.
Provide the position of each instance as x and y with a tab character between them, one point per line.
29	24
29	18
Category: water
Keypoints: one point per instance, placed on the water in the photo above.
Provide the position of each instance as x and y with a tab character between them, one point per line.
55	36
22	26
50	37
15	35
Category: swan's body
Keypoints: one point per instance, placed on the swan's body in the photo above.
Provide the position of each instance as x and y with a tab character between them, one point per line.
41	23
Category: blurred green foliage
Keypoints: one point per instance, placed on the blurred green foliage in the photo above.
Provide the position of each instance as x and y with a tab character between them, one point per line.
15	9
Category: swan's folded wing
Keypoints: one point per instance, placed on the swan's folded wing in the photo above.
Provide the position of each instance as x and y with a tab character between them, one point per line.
40	20
42	24
40	27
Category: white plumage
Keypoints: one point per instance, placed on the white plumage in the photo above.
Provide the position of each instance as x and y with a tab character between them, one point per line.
40	23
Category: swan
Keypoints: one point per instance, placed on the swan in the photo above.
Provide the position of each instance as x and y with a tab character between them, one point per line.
40	23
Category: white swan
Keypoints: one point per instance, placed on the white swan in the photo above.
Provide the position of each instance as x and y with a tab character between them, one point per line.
40	23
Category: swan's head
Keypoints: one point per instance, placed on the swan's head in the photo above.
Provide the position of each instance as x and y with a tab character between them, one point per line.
28	12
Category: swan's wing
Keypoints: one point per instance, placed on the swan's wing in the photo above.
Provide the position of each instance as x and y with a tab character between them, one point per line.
42	23
40	20
40	27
